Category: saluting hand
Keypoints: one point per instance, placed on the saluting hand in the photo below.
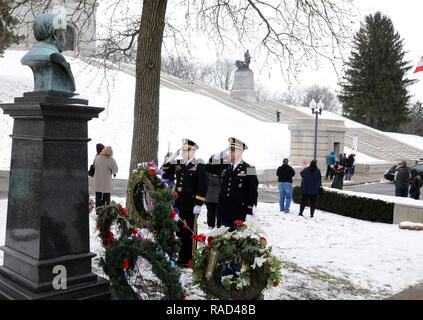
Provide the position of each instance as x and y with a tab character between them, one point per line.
197	209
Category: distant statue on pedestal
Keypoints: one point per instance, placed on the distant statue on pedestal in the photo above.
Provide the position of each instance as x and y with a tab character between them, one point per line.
244	65
51	70
243	85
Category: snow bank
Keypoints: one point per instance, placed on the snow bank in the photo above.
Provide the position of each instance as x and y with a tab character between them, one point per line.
411	225
412	140
363	158
390	199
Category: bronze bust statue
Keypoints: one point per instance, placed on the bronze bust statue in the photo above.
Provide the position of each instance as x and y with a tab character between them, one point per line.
51	70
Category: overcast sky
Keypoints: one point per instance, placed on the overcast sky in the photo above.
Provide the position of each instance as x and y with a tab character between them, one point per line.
406	17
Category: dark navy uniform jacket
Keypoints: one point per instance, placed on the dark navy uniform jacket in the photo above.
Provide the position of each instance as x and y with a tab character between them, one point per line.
191	183
238	193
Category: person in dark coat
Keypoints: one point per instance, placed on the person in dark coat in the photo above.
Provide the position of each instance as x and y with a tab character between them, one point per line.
191	187
278	115
401	180
349	164
212	198
238	193
342	159
285	174
415	184
310	187
338	170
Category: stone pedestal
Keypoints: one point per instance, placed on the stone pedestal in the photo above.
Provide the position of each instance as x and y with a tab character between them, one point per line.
243	87
330	136
47	215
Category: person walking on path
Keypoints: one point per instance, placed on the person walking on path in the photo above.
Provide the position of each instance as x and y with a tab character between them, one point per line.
415	184
285	174
330	161
310	187
401	180
105	166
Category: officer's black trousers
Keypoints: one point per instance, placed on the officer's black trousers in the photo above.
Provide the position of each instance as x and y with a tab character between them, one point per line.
185	254
213	219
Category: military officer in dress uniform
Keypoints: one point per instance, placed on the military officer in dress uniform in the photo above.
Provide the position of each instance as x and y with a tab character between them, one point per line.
191	186
239	183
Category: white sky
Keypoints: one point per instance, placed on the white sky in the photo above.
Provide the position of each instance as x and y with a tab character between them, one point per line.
406	17
407	20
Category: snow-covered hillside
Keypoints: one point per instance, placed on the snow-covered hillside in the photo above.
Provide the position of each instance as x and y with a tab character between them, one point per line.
182	115
412	140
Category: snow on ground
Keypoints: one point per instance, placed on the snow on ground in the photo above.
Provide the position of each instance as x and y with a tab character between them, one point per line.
391	199
412	140
327	257
332	116
182	115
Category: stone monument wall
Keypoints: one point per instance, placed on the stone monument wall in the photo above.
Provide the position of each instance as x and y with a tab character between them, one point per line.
243	86
81	29
330	135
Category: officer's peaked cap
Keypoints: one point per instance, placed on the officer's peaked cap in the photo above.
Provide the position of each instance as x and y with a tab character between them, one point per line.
189	144
237	144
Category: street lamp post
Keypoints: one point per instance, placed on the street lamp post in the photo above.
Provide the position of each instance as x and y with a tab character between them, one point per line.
317	110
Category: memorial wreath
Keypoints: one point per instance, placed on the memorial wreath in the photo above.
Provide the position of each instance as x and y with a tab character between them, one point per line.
235	265
146	234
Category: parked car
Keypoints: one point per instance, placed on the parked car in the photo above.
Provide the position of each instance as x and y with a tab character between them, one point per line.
390	174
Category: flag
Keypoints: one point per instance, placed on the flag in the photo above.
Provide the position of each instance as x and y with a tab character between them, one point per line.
419	66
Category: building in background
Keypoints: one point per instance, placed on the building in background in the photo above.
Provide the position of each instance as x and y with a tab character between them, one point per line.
80	29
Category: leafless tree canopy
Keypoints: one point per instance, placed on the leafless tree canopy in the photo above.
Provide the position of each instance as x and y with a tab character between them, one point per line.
83	14
415	119
27	10
217	74
302	96
294	33
323	93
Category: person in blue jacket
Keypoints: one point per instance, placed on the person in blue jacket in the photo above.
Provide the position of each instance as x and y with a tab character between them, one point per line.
330	160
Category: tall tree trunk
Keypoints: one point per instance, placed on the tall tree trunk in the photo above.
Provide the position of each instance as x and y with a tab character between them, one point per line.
145	141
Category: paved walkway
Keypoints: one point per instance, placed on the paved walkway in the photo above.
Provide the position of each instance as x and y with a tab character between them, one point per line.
412	293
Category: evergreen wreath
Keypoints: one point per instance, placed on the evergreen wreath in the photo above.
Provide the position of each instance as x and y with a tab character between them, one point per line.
157	244
259	269
119	264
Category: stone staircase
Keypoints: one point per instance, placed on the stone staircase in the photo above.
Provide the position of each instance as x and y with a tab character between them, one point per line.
377	145
371	142
260	111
